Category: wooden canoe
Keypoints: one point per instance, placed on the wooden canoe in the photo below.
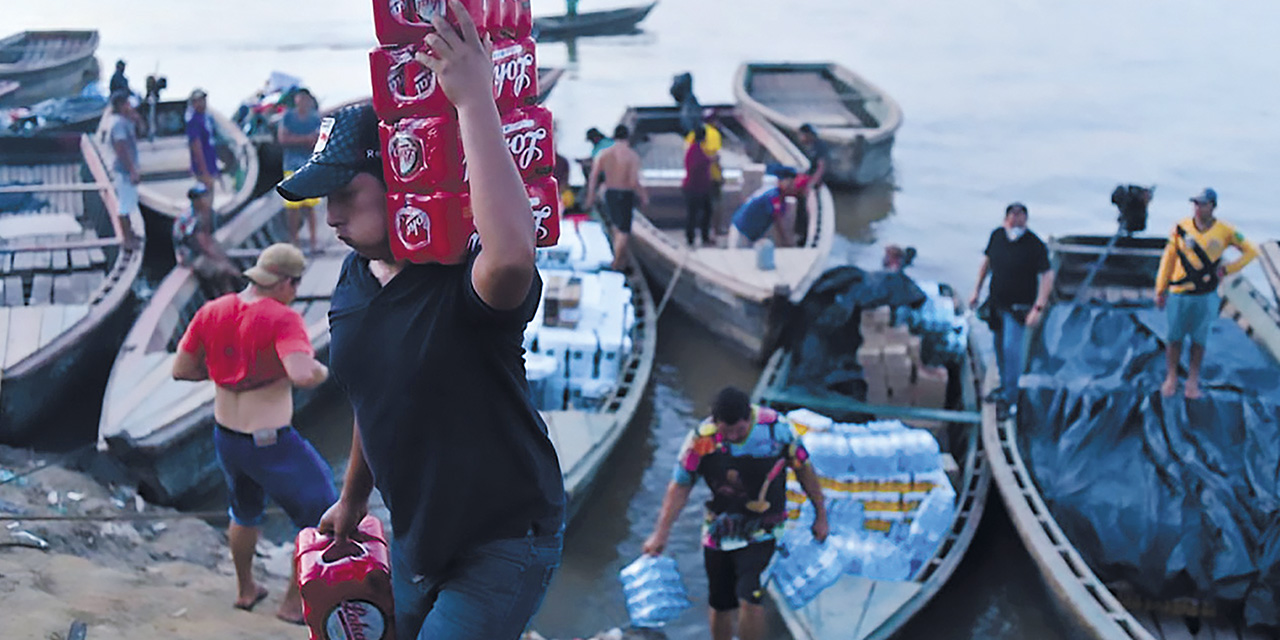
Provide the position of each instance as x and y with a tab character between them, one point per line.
722	287
165	160
856	607
35	54
78	114
1270	258
8	87
855	118
1126	275
592	23
67	267
585	439
160	428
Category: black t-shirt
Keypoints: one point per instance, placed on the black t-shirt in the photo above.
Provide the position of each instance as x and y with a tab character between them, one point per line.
1015	267
815	152
437	381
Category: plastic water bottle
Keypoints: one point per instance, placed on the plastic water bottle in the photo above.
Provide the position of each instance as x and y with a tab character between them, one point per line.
654	591
933	519
764	255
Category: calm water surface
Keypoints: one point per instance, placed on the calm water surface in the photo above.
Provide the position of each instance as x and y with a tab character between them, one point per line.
1053	104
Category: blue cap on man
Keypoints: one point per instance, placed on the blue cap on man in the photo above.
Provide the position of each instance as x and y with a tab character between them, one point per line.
1207	196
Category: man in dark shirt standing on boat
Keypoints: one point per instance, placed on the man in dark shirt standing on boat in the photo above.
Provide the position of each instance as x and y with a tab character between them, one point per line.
1021	281
740	451
817	152
118	82
619	165
200	139
1187	283
430	357
256	349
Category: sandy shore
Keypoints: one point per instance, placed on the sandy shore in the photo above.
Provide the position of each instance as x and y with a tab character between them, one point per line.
124	568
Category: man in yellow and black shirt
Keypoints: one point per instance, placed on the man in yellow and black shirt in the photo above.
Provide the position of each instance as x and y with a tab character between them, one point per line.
1191	269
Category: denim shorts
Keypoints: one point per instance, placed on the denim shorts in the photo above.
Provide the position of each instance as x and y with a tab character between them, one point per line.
291	471
126	194
490	591
1191	316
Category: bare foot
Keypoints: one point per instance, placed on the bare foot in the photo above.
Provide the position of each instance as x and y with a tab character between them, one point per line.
291	614
1193	389
249	602
1169	387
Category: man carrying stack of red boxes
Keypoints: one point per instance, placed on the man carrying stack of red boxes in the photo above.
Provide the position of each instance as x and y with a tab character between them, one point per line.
444	201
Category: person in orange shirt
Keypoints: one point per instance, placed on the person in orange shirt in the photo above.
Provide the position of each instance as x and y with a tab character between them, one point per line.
256	349
1187	285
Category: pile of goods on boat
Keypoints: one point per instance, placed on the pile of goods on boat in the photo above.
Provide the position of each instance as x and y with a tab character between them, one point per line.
578	339
889	505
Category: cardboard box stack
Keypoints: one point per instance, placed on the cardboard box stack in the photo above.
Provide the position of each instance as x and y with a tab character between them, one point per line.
892	367
428	201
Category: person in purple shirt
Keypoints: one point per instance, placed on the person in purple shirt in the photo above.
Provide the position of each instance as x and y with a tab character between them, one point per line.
697	188
200	128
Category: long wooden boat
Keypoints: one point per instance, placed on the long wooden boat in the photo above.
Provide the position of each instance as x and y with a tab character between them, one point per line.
160	428
33	54
591	23
855	118
67	267
1269	256
860	608
584	440
165	159
1125	274
8	87
720	286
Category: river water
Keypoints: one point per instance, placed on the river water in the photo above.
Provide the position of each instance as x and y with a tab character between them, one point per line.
1053	104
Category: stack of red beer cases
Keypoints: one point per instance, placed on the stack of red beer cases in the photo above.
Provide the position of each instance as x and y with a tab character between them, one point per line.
428	202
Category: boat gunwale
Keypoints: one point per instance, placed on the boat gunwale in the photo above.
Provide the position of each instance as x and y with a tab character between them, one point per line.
85	41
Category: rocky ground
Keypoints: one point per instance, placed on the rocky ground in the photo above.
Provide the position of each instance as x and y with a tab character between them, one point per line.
75	552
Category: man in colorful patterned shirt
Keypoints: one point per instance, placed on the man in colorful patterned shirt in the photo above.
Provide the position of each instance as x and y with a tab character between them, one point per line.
1191	269
741	451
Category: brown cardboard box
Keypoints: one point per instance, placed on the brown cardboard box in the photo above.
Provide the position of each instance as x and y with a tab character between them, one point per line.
563	293
931	387
897	372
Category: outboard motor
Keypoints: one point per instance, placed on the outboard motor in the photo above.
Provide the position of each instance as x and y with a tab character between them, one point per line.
1132	202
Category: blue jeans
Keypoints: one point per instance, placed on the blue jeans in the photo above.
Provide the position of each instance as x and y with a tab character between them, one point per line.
490	591
1008	345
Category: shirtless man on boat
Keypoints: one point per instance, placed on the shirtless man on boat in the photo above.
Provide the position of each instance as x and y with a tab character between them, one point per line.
620	165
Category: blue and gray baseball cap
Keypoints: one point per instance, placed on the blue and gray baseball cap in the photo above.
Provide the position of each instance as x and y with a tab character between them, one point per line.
348	144
1208	195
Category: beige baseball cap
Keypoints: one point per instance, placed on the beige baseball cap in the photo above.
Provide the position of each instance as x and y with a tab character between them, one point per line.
275	263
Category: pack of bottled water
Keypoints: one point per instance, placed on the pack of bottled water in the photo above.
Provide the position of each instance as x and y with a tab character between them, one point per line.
889	503
654	591
944	334
802	567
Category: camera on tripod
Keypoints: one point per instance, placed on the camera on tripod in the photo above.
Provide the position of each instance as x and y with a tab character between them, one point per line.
155	84
1132	202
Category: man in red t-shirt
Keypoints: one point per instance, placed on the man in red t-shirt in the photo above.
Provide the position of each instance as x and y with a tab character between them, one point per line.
256	349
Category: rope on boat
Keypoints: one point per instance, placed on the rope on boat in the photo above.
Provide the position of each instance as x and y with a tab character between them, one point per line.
671	286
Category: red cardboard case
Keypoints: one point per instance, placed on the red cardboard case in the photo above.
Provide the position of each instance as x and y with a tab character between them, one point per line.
409	21
346	591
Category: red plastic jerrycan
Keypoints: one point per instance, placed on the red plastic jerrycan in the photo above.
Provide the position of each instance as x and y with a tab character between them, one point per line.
346	589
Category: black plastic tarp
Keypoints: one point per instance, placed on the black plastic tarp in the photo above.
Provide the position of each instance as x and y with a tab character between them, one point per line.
823	334
1177	497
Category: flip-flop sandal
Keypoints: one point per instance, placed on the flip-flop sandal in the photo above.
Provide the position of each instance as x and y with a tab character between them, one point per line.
262	595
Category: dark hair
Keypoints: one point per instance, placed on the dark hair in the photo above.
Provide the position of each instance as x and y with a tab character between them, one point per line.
119	97
731	406
1016	205
119	64
808	128
621	132
699	134
595	135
